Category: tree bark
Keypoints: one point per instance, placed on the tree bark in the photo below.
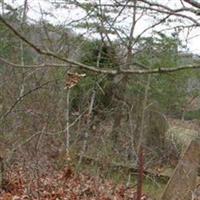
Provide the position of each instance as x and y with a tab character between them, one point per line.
1	172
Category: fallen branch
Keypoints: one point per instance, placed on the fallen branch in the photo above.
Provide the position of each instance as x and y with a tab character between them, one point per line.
119	166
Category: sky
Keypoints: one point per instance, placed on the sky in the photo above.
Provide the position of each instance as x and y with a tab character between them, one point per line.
60	16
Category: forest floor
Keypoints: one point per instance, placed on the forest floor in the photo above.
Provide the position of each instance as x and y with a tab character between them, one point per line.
69	184
64	185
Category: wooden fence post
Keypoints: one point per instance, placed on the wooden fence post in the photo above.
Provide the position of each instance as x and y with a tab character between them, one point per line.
183	181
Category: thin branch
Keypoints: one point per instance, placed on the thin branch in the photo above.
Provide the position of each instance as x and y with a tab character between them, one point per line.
19	99
193	3
43	65
114	72
159	8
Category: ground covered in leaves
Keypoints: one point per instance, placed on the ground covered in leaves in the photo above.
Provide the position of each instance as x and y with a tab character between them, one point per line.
65	184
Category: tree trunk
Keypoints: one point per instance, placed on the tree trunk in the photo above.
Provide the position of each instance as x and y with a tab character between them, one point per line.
1	172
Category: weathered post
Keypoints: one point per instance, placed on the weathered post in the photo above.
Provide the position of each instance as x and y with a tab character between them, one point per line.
183	181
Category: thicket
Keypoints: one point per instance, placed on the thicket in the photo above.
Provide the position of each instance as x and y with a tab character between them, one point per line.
33	126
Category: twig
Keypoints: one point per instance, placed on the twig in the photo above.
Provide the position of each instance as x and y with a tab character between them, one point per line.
19	99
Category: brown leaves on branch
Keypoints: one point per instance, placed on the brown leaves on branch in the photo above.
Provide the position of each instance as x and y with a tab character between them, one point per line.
72	79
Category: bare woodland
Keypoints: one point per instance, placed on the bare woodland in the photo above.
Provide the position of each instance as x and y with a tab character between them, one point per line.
101	103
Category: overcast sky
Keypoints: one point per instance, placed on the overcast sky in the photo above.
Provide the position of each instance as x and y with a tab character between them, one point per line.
61	16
